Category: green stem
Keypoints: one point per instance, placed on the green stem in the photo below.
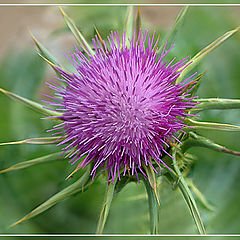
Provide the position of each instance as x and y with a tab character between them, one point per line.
199	195
196	140
217	103
211	125
153	207
187	194
106	207
63	194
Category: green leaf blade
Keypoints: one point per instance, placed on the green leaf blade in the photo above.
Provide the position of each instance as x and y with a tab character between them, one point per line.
77	34
217	103
43	51
204	52
128	26
153	207
200	197
187	194
46	55
152	180
170	37
33	162
196	140
110	189
138	21
191	204
212	126
66	192
43	140
29	103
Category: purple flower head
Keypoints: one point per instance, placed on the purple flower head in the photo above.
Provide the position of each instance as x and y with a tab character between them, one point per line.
121	108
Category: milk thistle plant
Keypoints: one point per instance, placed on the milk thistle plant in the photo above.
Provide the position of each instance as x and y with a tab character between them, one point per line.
127	114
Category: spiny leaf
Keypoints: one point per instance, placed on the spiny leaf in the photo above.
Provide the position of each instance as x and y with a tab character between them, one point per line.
43	51
128	26
198	141
42	140
153	207
212	126
75	31
138	21
200	197
55	67
187	194
204	52
100	39
74	171
78	166
29	163
34	105
191	204
197	82
170	37
66	192
106	207
45	54
217	103
152	180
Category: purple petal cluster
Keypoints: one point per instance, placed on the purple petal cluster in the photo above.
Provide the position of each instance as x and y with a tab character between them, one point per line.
121	108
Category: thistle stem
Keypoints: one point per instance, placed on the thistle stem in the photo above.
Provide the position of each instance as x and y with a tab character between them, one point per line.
106	207
153	207
196	140
187	194
212	126
217	103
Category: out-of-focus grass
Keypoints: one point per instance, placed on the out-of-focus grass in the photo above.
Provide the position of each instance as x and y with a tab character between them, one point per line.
216	174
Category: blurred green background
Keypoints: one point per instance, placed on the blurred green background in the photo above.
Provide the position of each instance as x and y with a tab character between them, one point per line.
23	72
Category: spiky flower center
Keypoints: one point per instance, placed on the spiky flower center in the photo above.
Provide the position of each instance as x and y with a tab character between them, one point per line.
122	107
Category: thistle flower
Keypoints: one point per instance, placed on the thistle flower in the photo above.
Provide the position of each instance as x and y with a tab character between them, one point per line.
124	110
122	106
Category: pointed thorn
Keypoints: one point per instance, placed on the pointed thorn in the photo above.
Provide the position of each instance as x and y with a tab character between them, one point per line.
155	191
45	59
139	10
71	174
156	48
11	143
32	36
16	223
6	170
3	91
100	38
174	145
61	10
138	20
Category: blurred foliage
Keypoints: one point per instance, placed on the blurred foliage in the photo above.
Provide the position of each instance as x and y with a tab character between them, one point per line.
215	174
